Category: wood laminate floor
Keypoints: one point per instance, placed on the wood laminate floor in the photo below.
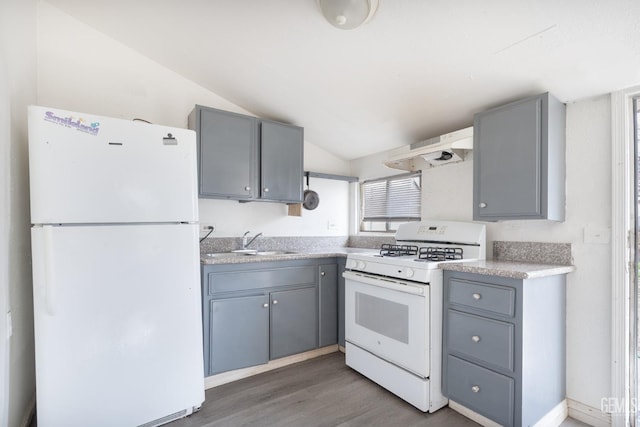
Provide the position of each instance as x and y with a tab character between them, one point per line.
318	392
314	393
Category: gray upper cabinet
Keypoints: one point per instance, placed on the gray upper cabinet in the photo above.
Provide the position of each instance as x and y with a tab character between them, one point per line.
281	162
247	159
227	153
519	161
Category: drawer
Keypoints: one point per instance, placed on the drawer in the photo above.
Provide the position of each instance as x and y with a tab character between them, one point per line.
491	298
230	281
487	340
481	390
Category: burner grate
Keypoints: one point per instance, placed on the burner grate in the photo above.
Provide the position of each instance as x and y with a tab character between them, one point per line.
440	254
397	250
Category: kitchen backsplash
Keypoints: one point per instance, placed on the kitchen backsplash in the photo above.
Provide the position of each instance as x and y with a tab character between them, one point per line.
533	252
224	244
371	242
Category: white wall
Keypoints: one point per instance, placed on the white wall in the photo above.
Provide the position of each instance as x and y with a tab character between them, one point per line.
81	69
17	90
448	194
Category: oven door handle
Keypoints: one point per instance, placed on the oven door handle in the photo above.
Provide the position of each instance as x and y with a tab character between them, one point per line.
395	285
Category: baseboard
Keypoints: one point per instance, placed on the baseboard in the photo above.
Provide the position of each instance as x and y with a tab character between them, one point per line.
29	413
342	349
588	414
472	415
238	374
553	418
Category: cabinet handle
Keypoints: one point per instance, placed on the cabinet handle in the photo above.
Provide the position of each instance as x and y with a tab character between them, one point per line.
247	188
265	305
266	189
477	296
475	389
275	301
475	338
482	205
322	273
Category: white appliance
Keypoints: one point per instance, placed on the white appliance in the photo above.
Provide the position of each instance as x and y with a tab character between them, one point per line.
440	150
393	307
117	313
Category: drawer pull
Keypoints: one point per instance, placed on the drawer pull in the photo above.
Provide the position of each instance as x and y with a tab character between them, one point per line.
475	389
275	301
475	338
265	305
477	296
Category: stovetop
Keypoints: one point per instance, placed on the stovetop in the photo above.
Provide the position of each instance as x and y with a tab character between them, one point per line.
424	245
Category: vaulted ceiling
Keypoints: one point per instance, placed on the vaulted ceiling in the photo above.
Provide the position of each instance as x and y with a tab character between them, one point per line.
419	68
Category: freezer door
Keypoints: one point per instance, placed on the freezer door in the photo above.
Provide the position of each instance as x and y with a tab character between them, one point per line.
92	169
118	324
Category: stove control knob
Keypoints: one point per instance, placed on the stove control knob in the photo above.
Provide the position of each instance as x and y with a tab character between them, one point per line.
352	263
361	265
409	272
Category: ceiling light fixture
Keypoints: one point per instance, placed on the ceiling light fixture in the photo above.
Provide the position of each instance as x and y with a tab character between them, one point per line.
348	14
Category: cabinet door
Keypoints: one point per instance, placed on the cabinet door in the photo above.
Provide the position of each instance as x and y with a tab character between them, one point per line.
239	333
341	268
228	155
508	161
294	321
328	293
281	162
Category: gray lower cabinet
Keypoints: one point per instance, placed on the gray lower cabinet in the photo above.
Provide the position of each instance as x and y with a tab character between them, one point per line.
328	304
504	345
519	161
247	159
244	341
341	268
256	312
293	322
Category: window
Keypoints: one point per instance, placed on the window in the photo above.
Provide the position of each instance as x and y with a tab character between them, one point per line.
388	202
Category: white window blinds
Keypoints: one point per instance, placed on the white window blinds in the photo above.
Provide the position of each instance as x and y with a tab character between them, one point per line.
395	198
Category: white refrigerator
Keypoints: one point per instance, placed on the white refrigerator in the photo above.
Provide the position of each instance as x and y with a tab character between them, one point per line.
118	324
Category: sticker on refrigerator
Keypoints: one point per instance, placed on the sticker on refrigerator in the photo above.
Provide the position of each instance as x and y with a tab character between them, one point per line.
77	123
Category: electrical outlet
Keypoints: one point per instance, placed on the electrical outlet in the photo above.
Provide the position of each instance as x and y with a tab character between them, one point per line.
205	228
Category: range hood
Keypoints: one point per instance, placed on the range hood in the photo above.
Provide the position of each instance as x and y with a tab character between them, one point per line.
449	148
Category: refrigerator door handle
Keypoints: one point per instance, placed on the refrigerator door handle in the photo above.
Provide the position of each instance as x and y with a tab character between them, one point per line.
49	281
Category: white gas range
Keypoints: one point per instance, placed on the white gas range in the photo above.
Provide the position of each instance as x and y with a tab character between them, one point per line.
393	307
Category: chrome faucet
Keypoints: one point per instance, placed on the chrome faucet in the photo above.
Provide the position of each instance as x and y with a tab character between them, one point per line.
245	238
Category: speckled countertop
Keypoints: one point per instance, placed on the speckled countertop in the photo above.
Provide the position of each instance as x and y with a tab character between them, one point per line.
511	269
232	258
521	260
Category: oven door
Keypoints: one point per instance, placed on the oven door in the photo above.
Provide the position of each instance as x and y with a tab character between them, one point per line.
389	318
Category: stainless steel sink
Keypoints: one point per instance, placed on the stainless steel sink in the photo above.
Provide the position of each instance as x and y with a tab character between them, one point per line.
275	252
222	255
243	253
